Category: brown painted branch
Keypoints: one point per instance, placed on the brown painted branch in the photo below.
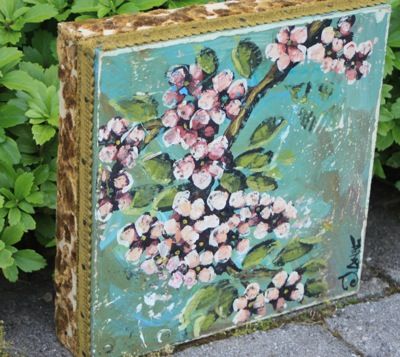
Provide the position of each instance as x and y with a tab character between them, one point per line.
273	77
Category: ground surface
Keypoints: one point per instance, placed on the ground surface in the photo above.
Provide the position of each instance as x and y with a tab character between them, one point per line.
367	325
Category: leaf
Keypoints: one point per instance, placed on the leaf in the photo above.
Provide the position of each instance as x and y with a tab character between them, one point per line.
23	185
82	6
11	273
9	55
383	142
165	198
14	216
267	130
27	221
259	252
144	195
6	259
43	133
159	168
293	251
253	159
394	160
11	115
12	235
233	181
17	80
36	198
9	151
41	174
314	266
260	182
311	240
207	60
394	39
246	58
286	157
315	288
378	168
227	294
39	13
141	108
144	5
203	323
28	260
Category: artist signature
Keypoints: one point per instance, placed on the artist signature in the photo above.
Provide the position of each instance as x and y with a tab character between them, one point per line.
350	278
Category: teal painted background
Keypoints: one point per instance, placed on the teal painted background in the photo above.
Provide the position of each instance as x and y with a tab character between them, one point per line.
327	178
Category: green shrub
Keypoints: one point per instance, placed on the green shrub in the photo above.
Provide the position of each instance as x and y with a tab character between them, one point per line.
29	118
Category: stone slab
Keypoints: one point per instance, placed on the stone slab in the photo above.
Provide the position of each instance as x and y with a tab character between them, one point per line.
372	327
291	340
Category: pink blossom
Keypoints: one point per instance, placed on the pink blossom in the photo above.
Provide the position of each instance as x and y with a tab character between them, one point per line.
316	53
127	235
133	255
217	116
177	76
127	155
217	200
327	35
185	110
261	230
298	293
142	224
202	178
189	278
176	280
338	65
351	75
208	99
196	72
223	254
108	153
206	258
217	147
279	205
172	98
206	275
243	246
189	235
222	80
252	198
149	267
124	200
184	168
241	316
349	50
237	89
237	199
365	68
233	108
282	230
118	125
104	133
280	279
289	48
219	235
200	119
210	221
200	149
337	44
326	65
365	48
173	264
170	118
252	290
105	210
345	28
240	303
172	136
156	230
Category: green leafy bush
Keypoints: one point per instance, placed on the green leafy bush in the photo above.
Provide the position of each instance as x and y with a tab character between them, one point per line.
387	158
29	117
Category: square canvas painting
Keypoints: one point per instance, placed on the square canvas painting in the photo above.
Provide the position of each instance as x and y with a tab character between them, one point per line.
230	176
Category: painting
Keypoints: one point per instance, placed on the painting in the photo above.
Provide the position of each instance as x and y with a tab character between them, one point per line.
231	175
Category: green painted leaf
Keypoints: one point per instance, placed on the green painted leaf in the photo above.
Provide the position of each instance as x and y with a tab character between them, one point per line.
203	323
253	159
144	195
246	57
28	260
233	181
293	251
311	240
259	252
314	266
262	183
165	198
286	157
267	130
227	294
23	185
11	273
207	60
159	168
315	287
141	108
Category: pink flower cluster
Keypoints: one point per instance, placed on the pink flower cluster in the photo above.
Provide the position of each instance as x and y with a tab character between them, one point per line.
201	236
119	142
198	106
284	287
335	51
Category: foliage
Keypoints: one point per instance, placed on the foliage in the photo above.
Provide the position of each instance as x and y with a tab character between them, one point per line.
387	158
29	120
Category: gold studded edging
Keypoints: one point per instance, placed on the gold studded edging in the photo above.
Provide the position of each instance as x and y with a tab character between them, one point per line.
86	54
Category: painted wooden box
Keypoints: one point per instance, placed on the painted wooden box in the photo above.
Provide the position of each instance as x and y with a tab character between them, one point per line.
214	167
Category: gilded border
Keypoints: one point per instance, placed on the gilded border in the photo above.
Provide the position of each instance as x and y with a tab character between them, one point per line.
86	56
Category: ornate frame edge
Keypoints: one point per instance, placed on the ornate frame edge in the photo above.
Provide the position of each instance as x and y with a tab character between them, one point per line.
84	96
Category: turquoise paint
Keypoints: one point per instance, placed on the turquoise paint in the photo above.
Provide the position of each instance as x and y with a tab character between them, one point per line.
327	182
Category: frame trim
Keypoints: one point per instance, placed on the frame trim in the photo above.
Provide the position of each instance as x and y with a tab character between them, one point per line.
86	54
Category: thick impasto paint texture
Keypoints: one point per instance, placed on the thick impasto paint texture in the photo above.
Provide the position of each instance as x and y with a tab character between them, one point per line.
231	176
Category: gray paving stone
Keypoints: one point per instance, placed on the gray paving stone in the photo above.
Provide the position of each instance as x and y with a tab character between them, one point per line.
371	286
291	340
372	327
382	249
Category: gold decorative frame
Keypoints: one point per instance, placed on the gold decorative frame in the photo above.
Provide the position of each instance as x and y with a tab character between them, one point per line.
77	45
